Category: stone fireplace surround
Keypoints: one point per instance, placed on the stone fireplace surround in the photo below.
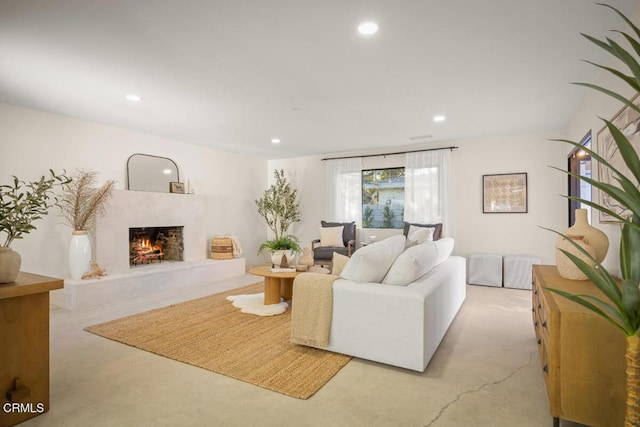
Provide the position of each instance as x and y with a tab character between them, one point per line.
129	209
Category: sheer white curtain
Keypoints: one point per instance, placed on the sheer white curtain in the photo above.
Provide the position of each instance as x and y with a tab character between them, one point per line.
344	190
428	189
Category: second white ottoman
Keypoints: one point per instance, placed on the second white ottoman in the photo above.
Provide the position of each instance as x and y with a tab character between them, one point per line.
517	271
485	269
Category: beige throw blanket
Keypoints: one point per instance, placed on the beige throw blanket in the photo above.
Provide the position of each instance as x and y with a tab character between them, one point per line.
312	308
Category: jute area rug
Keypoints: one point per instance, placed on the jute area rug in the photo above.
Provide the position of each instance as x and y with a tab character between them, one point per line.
212	334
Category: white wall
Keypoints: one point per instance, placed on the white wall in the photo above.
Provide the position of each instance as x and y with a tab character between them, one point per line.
475	232
32	142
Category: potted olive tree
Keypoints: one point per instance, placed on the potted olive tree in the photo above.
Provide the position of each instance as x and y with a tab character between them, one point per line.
280	209
21	204
622	304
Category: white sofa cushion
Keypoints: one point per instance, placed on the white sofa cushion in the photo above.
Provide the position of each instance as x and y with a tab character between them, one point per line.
371	263
417	261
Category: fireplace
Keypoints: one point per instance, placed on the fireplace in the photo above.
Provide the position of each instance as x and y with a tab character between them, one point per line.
155	244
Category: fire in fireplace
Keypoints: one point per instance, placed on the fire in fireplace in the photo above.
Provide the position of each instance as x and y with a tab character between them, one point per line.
155	244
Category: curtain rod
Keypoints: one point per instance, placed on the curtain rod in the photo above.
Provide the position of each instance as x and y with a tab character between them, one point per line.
389	154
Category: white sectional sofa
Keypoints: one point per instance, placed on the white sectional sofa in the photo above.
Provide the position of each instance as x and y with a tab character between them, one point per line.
389	305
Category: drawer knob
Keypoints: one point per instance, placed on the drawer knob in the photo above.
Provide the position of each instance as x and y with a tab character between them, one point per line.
539	341
544	324
545	368
539	306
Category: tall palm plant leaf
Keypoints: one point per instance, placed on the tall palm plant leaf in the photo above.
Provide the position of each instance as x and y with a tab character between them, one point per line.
622	304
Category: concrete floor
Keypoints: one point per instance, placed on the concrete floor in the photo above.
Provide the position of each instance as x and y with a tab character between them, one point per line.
485	373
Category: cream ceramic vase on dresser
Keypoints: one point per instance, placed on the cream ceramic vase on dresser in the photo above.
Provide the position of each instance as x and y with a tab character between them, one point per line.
594	241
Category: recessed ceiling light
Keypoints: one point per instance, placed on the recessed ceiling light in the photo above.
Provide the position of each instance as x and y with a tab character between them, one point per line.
368	28
439	118
133	97
275	141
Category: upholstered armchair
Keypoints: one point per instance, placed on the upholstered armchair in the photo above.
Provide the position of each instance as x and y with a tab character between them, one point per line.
337	237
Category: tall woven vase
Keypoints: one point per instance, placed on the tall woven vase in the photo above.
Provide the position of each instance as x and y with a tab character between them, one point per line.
79	254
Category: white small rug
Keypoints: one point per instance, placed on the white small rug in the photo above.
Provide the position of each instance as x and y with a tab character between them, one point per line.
254	304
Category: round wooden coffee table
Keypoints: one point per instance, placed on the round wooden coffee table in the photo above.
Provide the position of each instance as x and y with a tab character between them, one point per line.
275	284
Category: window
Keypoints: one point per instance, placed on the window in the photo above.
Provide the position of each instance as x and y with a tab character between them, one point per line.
383	198
579	162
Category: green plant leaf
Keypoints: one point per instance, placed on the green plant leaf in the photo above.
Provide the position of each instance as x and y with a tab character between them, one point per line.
631	24
630	80
613	191
630	298
612	94
627	151
604	282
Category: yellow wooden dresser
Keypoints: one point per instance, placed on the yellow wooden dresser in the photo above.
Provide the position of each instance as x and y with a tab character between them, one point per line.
582	355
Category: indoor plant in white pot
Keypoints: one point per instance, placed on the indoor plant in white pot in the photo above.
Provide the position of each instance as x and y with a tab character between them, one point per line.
280	209
81	204
22	203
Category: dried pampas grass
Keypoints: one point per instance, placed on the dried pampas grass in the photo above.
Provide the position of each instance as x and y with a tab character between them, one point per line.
82	202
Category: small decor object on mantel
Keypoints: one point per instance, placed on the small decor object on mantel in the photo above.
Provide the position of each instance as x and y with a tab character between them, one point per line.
176	187
21	204
81	204
280	209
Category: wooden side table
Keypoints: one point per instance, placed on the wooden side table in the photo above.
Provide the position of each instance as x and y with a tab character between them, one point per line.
275	284
24	347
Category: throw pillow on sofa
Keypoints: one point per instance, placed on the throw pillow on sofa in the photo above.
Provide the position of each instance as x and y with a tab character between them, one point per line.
371	263
338	262
417	261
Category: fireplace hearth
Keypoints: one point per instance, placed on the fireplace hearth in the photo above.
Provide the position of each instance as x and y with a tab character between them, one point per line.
155	244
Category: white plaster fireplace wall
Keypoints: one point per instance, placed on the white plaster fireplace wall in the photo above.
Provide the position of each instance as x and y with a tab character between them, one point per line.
32	142
145	209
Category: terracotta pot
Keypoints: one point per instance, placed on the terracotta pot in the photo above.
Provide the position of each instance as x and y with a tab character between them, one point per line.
10	262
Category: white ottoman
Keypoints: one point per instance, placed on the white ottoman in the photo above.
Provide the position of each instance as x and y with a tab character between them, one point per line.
485	269
517	271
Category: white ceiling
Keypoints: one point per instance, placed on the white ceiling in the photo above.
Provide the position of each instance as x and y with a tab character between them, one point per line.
234	74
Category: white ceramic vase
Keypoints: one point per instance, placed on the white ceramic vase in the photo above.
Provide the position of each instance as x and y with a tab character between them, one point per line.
289	254
10	262
79	254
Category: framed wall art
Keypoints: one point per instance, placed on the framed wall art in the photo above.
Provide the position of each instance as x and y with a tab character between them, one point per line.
504	193
628	121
